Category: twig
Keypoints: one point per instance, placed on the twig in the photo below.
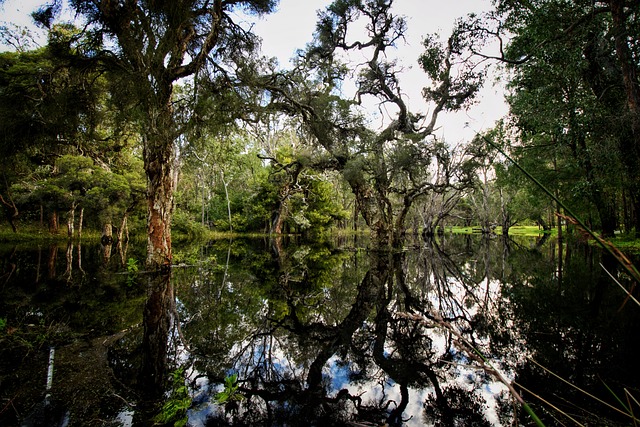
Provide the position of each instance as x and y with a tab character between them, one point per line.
551	405
476	355
623	288
578	388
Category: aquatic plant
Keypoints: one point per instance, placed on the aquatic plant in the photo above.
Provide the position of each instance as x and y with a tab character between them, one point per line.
230	392
174	410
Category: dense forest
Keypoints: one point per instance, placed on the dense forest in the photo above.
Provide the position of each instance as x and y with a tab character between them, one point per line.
153	117
165	120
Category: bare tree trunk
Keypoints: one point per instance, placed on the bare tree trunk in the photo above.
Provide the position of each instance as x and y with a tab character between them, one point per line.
202	207
69	255
107	233
80	256
53	256
71	217
39	264
123	238
226	193
80	223
123	226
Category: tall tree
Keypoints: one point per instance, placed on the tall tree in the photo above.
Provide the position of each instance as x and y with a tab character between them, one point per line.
155	44
390	169
152	45
47	108
575	90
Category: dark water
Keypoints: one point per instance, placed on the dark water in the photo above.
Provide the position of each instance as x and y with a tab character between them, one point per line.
317	334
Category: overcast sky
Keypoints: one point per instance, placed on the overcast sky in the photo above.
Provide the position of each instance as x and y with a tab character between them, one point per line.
291	27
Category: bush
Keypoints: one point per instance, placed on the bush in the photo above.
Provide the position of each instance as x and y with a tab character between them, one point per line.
184	227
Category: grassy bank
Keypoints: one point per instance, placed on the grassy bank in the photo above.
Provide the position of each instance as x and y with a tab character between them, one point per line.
35	233
524	230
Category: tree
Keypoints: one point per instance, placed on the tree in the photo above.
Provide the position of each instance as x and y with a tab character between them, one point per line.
47	109
574	80
154	45
391	169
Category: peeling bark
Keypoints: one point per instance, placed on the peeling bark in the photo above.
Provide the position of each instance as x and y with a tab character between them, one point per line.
53	222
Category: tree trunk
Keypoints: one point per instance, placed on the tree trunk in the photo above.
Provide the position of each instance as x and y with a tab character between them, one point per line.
428	229
71	217
80	256
156	322
277	225
123	225
53	222
608	219
542	223
159	166
69	256
630	145
80	223
399	229
107	233
11	211
53	257
506	216
203	203
226	193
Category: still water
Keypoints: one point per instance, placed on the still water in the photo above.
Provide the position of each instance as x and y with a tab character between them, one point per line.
289	333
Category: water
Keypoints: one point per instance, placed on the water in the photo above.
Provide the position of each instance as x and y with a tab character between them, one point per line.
320	334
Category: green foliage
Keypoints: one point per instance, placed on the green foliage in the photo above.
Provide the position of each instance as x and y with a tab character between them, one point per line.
567	102
132	271
174	410
230	392
62	147
186	228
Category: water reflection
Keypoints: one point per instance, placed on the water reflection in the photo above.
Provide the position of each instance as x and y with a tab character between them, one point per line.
317	338
289	333
157	319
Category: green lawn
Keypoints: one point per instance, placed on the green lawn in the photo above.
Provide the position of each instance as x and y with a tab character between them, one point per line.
524	230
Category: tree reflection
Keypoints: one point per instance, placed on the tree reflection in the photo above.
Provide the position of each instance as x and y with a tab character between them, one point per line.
157	313
329	337
322	336
320	350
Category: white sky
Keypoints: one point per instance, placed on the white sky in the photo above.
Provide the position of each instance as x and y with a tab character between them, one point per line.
291	27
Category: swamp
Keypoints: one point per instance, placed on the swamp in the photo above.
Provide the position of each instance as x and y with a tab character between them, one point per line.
249	213
287	332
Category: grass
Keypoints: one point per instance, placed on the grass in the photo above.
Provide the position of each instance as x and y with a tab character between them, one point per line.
626	244
528	230
35	233
519	230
